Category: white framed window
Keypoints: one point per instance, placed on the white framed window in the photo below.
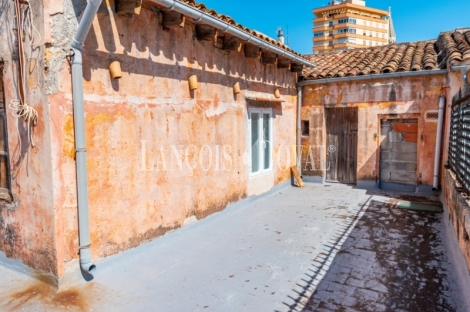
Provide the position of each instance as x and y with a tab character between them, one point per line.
261	140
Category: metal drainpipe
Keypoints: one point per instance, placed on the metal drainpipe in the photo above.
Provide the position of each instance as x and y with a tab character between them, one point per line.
437	156
79	125
299	128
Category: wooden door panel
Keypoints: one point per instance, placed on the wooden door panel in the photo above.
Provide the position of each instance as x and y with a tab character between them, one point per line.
341	127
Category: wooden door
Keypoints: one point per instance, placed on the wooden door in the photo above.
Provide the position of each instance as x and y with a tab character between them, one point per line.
341	144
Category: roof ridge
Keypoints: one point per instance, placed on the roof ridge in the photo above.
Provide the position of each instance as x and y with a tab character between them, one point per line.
423	55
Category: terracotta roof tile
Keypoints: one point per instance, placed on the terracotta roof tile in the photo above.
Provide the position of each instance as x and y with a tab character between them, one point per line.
228	19
451	46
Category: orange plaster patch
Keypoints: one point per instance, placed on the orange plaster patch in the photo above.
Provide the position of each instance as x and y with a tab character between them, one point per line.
405	127
410	137
384	105
68	147
340	98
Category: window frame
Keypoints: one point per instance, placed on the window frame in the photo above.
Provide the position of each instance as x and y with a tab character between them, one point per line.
347	40
261	112
5	153
347	20
347	30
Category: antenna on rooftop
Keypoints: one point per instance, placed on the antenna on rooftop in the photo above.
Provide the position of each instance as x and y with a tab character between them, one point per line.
287	33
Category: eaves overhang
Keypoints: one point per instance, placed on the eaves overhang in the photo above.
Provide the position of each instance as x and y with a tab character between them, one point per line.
202	17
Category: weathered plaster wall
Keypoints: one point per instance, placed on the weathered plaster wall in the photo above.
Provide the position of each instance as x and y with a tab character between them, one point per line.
459	212
137	189
457	205
377	99
27	223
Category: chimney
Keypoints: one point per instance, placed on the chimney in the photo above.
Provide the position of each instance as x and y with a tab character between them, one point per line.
280	35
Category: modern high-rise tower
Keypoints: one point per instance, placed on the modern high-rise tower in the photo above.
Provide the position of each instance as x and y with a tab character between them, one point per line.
349	24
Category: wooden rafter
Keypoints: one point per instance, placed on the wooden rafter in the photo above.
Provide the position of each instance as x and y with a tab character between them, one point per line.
172	19
251	51
232	44
268	57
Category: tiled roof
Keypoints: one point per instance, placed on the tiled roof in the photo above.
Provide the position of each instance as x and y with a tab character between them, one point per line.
416	56
453	46
228	19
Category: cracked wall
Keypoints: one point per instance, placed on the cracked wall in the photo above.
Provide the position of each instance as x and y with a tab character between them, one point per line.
27	224
132	125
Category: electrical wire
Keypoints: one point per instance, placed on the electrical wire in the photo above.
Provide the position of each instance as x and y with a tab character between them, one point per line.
20	109
32	27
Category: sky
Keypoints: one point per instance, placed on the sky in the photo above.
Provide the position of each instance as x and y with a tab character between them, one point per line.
414	20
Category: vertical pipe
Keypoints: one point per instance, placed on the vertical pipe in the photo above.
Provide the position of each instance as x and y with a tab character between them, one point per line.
299	129
437	156
79	127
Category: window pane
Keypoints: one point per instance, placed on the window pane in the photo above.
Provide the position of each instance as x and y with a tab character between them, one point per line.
266	141
254	142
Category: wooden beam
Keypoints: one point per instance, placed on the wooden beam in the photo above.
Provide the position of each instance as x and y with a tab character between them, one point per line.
268	57
206	33
219	41
232	44
126	7
297	176
251	51
296	68
172	19
283	63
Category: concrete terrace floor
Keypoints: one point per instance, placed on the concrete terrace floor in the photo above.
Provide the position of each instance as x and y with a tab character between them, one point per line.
318	248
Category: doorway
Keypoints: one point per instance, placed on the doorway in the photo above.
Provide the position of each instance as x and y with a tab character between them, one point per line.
341	144
398	154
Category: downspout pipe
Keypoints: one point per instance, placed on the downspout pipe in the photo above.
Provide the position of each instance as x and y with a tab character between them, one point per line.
299	129
437	156
205	18
79	127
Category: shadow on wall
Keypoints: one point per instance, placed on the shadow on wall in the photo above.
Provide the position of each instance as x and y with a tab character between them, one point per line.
276	107
137	42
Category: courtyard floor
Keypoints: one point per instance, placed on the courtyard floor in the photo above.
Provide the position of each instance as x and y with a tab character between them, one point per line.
317	248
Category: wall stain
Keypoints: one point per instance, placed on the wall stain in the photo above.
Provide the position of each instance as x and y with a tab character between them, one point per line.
219	205
73	299
11	242
392	96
